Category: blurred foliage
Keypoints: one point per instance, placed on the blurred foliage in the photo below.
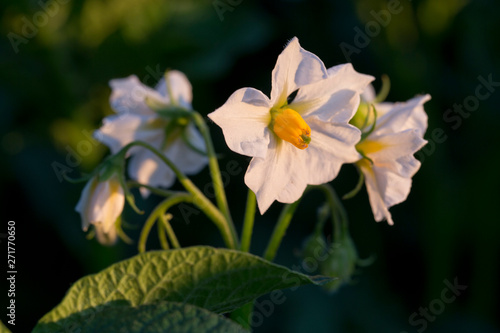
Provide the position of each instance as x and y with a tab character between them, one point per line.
54	92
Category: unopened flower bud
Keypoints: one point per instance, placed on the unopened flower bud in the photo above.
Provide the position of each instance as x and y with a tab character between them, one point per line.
340	263
314	246
101	204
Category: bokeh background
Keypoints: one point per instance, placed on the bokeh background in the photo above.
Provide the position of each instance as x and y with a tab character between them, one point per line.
57	57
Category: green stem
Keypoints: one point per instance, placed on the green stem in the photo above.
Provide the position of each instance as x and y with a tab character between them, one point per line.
155	190
141	247
242	315
323	214
170	231
246	235
162	237
201	201
339	215
279	230
160	209
213	164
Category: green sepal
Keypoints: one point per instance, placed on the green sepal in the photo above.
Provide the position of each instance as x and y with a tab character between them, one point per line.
154	104
119	230
356	189
370	131
111	165
366	157
169	111
384	90
115	164
78	180
128	195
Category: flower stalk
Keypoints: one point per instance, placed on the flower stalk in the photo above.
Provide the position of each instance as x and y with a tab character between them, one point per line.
280	230
198	198
213	164
246	235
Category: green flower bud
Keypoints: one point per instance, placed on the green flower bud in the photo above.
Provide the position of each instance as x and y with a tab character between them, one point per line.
341	263
314	246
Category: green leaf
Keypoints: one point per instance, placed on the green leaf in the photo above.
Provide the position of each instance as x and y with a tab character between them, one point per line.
219	280
3	329
158	318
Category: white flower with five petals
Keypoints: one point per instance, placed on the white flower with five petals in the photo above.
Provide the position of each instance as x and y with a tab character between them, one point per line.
389	148
301	134
135	120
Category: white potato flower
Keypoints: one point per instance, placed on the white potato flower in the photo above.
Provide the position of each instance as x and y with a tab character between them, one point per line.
136	120
300	135
388	164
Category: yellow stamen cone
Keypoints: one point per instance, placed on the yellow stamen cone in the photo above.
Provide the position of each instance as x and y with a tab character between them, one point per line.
289	126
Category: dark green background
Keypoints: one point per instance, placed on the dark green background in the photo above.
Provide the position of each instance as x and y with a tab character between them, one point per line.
56	87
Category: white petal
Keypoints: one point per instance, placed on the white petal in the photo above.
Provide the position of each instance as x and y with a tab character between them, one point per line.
267	177
83	203
403	116
106	238
244	119
348	78
120	130
379	208
368	95
184	157
405	166
286	171
129	94
294	68
396	145
331	146
388	180
334	99
195	138
382	109
147	168
107	203
394	188
179	87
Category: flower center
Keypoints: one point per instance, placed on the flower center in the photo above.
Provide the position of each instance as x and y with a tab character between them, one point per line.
288	125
